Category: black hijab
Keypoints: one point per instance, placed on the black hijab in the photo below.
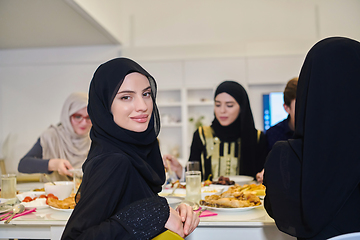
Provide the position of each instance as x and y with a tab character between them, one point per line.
243	126
327	120
326	144
107	136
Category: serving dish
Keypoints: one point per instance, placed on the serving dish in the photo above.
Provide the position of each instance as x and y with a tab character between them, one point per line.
231	209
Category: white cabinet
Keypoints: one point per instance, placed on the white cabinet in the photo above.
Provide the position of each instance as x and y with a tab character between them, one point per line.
180	109
186	90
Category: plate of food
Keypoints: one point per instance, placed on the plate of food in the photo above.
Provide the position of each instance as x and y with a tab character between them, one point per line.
62	209
234	199
66	205
209	190
5	208
232	180
241	179
33	199
243	209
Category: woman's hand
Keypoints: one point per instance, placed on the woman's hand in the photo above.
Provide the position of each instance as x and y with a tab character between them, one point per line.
174	223
188	217
260	176
174	164
60	165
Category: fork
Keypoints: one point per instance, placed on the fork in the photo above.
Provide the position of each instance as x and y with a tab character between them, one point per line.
199	212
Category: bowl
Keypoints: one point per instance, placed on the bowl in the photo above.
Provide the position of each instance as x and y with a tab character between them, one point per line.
61	189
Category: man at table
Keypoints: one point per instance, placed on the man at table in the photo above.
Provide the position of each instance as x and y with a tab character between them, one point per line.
284	129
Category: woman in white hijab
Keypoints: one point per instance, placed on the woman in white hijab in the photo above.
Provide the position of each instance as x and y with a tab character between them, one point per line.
62	147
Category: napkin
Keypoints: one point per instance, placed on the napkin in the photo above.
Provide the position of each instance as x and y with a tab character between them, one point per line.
206	213
20	214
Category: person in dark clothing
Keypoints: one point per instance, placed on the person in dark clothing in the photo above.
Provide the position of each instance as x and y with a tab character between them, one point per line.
312	181
231	145
123	173
284	129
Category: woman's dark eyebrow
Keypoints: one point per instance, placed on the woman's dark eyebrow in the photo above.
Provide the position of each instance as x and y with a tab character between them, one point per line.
225	102
126	91
129	91
146	88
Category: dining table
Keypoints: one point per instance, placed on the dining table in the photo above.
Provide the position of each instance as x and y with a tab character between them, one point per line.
254	224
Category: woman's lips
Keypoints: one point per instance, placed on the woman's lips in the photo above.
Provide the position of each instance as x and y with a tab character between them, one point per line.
223	118
140	119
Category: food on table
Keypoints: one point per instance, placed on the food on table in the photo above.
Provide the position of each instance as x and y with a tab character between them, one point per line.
38	201
223	181
39	190
208	189
30	199
180	185
257	189
208	182
234	197
67	203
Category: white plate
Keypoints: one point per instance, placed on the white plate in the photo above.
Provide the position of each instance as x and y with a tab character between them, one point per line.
60	209
238	179
231	209
39	203
174	201
5	209
212	189
241	179
31	194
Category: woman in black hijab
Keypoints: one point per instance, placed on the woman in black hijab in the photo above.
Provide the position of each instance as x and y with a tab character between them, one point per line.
231	145
312	181
124	172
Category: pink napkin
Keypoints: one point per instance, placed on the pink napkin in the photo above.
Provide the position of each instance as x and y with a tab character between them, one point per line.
206	213
20	214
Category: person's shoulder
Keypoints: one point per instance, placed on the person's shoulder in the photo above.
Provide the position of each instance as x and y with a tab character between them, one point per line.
280	144
277	127
51	129
111	160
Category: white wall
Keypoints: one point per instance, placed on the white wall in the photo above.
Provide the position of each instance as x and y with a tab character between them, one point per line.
34	84
259	43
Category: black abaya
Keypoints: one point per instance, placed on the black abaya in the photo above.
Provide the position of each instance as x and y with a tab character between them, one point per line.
312	181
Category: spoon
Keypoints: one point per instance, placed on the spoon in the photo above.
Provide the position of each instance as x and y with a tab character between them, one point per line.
199	212
17	209
176	185
49	179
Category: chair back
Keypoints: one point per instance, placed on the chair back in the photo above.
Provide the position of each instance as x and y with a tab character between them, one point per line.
347	236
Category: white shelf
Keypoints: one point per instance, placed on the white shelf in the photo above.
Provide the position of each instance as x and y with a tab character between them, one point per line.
169	104
176	106
168	125
199	103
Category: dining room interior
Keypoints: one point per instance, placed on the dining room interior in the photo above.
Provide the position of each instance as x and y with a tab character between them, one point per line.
49	49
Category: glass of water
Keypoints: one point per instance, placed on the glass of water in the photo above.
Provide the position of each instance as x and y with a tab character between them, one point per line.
8	186
193	186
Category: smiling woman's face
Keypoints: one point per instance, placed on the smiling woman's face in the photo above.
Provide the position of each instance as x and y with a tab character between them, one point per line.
226	109
132	106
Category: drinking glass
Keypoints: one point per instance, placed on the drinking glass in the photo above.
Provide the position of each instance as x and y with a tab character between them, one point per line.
193	186
8	186
193	166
